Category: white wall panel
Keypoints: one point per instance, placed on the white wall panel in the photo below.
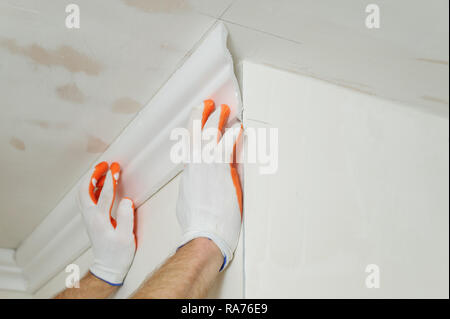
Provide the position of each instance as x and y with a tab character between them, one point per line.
360	181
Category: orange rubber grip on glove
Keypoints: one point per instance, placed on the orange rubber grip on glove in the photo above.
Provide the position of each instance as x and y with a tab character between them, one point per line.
114	240
210	194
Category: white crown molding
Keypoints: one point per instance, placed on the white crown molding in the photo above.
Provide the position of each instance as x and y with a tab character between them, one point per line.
143	151
11	276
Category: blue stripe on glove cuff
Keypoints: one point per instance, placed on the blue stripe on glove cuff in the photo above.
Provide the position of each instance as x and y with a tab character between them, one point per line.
105	280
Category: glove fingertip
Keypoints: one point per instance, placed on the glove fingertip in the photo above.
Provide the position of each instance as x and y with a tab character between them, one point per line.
115	171
127	203
207	110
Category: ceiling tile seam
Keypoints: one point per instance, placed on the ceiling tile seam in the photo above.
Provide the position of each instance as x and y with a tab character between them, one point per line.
218	16
261	31
9	5
227	8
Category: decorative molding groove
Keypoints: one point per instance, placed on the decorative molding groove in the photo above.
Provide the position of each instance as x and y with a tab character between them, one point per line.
11	276
143	150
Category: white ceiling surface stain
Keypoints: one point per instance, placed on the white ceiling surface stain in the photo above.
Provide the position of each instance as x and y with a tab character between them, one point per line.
67	94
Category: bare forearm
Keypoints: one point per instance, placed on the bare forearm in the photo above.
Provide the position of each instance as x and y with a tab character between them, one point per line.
187	274
90	288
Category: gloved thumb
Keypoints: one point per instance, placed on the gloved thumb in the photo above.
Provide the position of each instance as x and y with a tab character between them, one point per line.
125	217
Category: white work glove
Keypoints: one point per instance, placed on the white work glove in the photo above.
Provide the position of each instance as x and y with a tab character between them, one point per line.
113	240
210	195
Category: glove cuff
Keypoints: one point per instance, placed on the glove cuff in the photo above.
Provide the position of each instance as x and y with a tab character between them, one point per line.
107	275
221	244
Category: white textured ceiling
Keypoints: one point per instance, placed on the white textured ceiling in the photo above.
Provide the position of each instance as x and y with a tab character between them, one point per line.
66	94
